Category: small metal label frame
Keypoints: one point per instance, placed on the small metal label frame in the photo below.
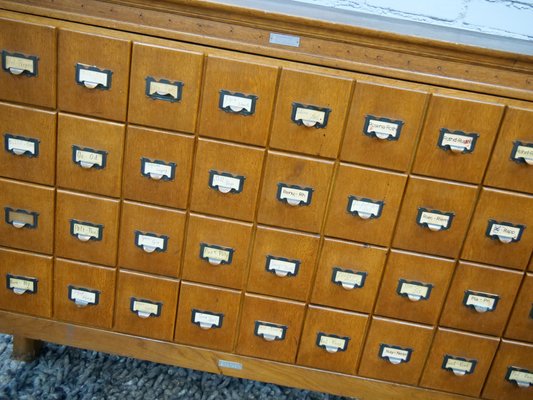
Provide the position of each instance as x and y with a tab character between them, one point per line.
458	365
21	145
310	116
394	354
21	284
284	40
216	255
348	278
364	208
83	297
86	231
229	364
294	195
150	242
164	89
157	169
414	290
479	301
145	308
19	218
225	182
237	103
269	331
93	77
20	64
522	152
332	343
281	266
87	158
206	319
505	232
382	128
457	141
434	220
522	377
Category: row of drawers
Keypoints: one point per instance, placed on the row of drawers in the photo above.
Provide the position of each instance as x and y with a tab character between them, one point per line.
269	328
383	122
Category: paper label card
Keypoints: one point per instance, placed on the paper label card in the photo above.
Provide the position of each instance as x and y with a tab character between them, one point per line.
93	77
19	64
215	254
365	208
20	145
481	302
237	103
281	266
522	152
332	343
21	284
207	319
86	157
457	141
270	331
20	218
348	278
434	220
151	242
413	290
294	195
225	182
86	231
505	232
82	296
145	308
163	89
520	376
458	365
382	128
394	354
310	116
157	169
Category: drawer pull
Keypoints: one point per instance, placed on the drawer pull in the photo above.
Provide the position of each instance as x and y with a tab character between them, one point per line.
413	290
434	220
93	77
21	146
310	116
145	308
347	278
332	343
394	354
479	301
86	231
365	208
382	128
269	331
458	365
457	141
83	297
282	267
150	242
157	169
207	319
225	182
163	89
87	158
505	232
522	152
237	103
522	377
21	284
19	64
19	218
294	195
216	255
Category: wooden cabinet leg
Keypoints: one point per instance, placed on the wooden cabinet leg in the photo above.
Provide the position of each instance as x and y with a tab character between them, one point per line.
25	349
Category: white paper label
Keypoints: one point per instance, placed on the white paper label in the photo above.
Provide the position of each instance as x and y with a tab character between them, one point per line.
281	265
237	102
521	376
451	139
504	230
524	152
207	319
348	277
86	230
90	76
306	114
395	353
216	254
381	127
20	144
460	365
227	182
434	219
20	63
157	169
84	296
480	301
89	157
22	284
332	342
270	331
365	207
417	290
151	241
294	194
164	89
143	307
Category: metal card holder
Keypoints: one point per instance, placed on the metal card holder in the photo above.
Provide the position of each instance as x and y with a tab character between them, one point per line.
224	182
458	365
145	308
83	297
348	279
206	319
86	231
164	89
332	343
364	208
21	284
87	157
479	301
93	77
294	195
505	232
19	218
20	64
281	266
434	220
457	141
269	331
521	377
394	354
522	152
157	169
21	145
216	255
150	242
382	128
414	290
310	116
237	103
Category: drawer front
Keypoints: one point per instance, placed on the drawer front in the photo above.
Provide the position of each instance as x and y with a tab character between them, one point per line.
270	328
226	179
511	163
282	263
477	301
383	125
434	217
151	239
520	326
454	147
157	167
365	205
414	287
86	228
93	82
84	293
331	340
26	285
310	113
348	275
501	233
162	95
395	351
89	155
146	305
237	100
27	216
29	67
28	144
295	192
216	251
459	362
207	316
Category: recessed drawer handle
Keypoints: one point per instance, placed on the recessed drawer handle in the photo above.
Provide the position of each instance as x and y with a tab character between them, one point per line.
348	278
85	231
459	366
21	146
457	141
93	77
413	290
382	128
157	169
21	284
237	103
225	182
395	354
87	158
19	64
294	195
522	152
216	255
150	242
145	308
269	331
434	220
281	266
19	218
522	377
310	116
163	89
83	297
365	208
505	232
206	319
332	343
479	301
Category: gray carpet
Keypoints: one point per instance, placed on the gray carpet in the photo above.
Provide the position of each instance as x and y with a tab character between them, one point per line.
72	374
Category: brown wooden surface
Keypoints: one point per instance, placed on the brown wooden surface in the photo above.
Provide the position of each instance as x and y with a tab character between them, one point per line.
25	349
520	325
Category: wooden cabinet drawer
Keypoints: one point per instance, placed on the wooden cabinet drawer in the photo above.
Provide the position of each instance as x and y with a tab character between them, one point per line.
434	216
455	147
151	239
459	362
29	67
84	293
520	325
86	227
26	282
89	155
500	232
365	204
331	339
29	144
414	287
270	328
226	179
383	125
310	112
28	216
207	316
146	305
237	100
395	351
282	263
295	192
216	251
348	275
478	301
162	94
93	82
